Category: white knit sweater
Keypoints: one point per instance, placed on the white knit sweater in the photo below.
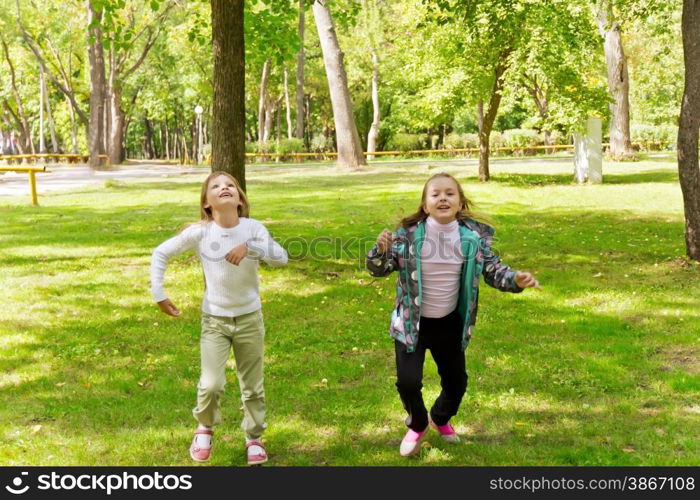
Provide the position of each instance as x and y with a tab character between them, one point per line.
230	290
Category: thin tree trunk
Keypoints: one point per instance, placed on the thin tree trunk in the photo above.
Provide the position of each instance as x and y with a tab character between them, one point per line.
689	128
167	140
97	87
73	128
299	132
263	101
49	118
486	120
42	96
541	98
148	140
374	128
25	131
350	153
115	133
228	123
286	103
618	80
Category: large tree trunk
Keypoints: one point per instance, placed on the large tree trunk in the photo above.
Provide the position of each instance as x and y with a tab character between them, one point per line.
350	153
97	87
689	128
228	124
374	128
115	136
263	101
299	132
486	120
618	81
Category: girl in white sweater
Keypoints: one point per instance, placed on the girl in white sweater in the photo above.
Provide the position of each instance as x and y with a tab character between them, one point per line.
229	246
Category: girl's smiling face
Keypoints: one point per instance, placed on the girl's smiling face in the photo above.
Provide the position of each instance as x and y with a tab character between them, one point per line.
222	192
442	200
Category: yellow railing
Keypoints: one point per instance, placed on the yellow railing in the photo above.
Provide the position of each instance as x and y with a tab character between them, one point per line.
32	178
58	157
298	156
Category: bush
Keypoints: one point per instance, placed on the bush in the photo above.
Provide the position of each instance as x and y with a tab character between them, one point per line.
495	139
654	137
321	144
521	138
289	146
406	142
461	141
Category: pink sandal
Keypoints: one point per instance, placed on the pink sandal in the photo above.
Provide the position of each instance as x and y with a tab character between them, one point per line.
200	454
257	458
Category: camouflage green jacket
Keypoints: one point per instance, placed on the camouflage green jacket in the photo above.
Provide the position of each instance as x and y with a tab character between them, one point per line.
404	257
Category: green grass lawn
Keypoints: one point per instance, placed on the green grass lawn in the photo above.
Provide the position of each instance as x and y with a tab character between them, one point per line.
599	368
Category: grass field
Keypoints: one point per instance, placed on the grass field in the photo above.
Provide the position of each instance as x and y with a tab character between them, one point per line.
599	368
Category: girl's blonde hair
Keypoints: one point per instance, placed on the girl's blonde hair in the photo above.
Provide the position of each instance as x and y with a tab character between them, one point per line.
420	215
205	213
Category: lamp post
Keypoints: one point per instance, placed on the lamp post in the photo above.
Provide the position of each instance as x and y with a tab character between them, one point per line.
198	110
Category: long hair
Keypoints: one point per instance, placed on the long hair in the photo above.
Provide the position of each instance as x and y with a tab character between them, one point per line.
205	213
420	215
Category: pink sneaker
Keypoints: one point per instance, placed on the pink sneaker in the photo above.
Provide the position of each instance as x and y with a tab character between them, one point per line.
447	432
200	454
410	445
255	458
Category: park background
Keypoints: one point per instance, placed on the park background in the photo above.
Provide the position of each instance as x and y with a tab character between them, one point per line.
600	368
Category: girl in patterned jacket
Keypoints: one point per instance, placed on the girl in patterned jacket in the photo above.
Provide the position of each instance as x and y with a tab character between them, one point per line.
439	253
229	245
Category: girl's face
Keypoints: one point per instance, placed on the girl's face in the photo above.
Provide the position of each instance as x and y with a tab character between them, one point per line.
222	193
442	201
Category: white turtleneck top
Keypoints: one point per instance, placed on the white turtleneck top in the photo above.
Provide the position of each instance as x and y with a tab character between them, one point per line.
441	268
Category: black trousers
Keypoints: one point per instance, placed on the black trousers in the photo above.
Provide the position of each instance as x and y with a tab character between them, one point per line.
443	337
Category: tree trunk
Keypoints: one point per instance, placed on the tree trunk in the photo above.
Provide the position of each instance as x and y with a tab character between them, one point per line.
618	81
73	128
689	128
49	119
286	103
97	86
148	140
25	131
485	121
115	136
228	124
374	128
350	153
541	98
299	132
42	96
167	140
263	101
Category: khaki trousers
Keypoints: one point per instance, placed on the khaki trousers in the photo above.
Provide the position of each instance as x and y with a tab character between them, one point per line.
245	334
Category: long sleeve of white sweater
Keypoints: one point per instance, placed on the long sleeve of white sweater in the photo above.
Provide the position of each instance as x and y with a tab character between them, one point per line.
230	290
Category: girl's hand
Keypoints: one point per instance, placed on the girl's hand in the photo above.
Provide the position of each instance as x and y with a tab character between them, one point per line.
384	241
526	280
237	254
168	308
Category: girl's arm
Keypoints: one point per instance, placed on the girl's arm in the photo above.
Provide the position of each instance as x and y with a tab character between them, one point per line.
263	246
382	259
496	273
186	240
